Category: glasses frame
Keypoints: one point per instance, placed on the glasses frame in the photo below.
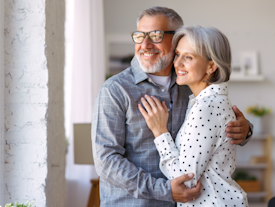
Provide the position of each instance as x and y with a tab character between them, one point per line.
147	34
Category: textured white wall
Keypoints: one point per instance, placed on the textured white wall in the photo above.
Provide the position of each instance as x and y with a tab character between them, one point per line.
34	125
248	24
26	101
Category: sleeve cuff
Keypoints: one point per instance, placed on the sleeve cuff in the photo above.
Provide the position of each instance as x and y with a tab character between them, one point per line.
166	146
249	135
168	182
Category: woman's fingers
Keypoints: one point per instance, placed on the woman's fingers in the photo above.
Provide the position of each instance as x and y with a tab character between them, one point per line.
151	101
160	105
146	105
142	111
154	114
153	105
157	102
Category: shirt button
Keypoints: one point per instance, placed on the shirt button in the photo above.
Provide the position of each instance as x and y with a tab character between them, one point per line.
162	90
168	109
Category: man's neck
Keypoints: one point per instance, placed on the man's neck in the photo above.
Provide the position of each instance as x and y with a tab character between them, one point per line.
161	80
164	72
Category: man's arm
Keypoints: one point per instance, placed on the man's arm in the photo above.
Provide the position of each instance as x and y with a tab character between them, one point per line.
108	137
240	130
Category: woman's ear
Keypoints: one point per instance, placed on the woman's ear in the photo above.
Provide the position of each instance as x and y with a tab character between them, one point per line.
212	67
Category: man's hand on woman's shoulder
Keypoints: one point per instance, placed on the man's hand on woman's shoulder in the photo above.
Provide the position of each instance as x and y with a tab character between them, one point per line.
239	129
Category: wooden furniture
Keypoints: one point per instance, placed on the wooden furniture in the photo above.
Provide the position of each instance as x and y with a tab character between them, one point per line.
262	164
94	199
249	185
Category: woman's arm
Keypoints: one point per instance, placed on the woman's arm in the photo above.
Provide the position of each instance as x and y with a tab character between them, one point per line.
202	134
156	116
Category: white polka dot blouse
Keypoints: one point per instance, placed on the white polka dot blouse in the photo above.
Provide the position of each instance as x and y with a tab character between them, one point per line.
201	147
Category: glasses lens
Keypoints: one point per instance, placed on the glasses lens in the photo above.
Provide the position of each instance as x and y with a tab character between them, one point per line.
156	36
138	37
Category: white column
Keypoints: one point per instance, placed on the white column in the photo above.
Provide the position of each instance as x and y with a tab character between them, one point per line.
34	146
26	102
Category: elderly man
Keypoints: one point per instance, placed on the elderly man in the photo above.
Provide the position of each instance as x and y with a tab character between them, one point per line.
124	152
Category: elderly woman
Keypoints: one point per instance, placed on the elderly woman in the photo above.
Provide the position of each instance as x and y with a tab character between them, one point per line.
202	61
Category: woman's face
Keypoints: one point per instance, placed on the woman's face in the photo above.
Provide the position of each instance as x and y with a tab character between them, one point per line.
191	68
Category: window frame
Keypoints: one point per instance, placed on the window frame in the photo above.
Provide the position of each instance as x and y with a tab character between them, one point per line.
2	137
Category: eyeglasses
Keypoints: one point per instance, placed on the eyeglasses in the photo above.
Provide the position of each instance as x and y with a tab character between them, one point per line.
154	36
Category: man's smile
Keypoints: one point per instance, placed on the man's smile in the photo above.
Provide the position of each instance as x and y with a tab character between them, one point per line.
149	54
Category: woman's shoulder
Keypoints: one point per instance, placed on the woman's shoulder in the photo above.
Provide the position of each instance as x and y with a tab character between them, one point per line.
218	104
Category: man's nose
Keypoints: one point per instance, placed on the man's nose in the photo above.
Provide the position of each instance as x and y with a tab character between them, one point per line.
147	43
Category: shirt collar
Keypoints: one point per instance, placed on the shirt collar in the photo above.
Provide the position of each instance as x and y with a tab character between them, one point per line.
211	90
140	75
137	71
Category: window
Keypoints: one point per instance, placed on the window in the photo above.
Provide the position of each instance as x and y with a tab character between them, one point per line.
2	103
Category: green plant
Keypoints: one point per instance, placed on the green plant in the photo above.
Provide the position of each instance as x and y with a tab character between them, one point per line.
108	76
28	204
242	175
258	111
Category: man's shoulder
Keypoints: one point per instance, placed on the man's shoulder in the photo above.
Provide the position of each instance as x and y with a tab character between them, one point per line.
124	77
121	83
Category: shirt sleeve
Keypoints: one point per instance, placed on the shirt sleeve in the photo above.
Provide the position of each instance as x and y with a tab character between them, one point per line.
108	140
202	135
249	134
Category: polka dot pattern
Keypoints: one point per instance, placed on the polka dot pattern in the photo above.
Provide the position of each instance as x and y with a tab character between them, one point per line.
201	147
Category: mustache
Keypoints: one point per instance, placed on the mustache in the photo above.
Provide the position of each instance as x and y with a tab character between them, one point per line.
150	50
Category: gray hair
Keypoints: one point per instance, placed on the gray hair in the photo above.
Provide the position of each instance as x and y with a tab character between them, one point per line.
208	42
175	21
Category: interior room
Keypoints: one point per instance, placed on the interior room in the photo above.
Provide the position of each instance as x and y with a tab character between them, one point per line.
48	87
247	25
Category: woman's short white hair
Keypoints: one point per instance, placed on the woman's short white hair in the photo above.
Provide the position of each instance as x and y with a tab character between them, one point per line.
208	42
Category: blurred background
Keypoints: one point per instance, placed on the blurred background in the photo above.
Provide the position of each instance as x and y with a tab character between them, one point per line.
98	37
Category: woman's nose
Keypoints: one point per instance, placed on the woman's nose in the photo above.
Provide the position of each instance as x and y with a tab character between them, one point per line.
178	61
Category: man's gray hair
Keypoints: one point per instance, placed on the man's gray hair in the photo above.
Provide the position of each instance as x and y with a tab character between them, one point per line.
208	42
175	21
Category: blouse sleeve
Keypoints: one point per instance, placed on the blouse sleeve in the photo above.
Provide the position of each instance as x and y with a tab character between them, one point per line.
202	132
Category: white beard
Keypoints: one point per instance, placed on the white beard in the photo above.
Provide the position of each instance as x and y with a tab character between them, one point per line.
161	64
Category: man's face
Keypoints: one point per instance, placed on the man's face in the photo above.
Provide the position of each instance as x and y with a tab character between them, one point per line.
155	58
